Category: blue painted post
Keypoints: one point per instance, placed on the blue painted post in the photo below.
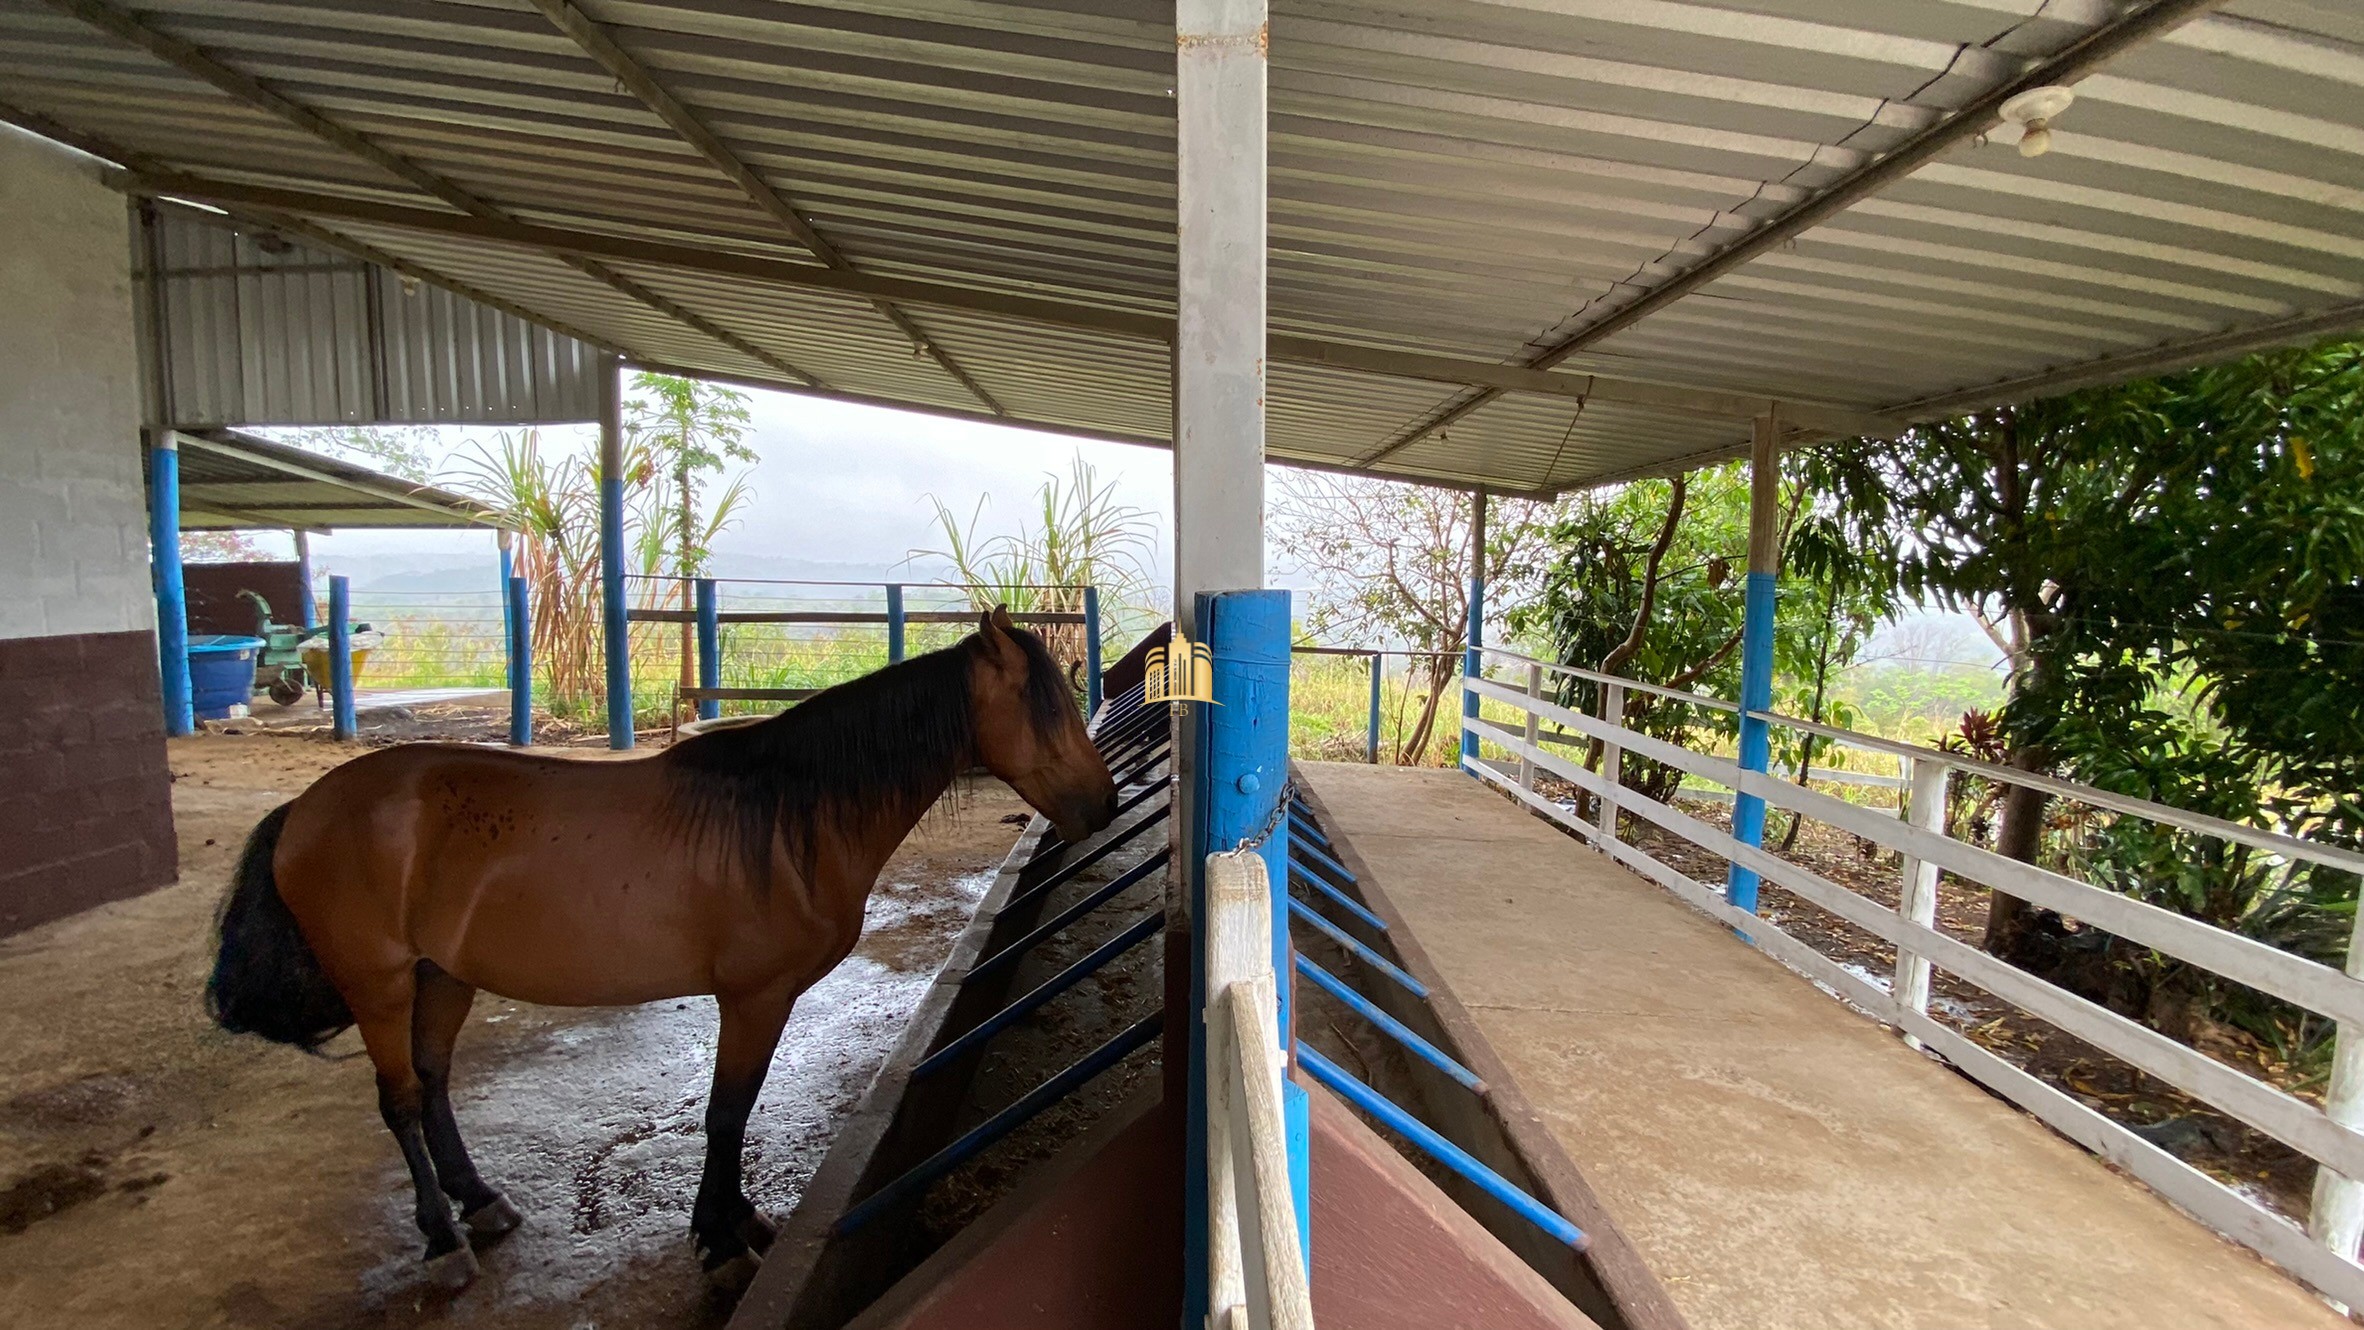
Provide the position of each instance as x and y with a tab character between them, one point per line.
1471	662
340	657
1243	770
1756	652
308	605
1091	651
709	648
1371	732
521	662
508	570
894	623
172	602
618	628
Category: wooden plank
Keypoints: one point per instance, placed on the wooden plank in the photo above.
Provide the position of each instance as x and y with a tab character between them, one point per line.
1276	1256
745	694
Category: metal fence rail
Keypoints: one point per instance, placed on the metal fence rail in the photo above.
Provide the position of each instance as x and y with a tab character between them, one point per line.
2330	1136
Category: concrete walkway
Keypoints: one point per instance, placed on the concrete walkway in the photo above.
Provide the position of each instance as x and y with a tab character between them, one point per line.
1780	1160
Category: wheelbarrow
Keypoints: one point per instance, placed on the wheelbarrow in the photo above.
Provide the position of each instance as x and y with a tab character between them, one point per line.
279	668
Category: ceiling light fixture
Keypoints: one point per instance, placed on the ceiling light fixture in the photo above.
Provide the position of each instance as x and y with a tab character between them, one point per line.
2034	111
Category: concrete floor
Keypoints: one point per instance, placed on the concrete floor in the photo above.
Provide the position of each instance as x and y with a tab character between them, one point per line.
155	1172
1779	1160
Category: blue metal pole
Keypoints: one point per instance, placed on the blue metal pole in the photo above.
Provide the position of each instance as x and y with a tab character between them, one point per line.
894	593
1471	664
521	663
308	605
617	627
1091	651
172	602
709	648
1371	735
1442	1150
508	570
340	656
1243	770
1756	655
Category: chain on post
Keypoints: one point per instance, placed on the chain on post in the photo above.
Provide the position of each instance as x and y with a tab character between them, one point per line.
1280	809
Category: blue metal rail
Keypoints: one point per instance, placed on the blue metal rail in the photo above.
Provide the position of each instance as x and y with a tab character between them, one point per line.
1050	988
1300	910
1067	872
1001	1124
1069	915
1336	897
1325	862
1389	1025
1438	1148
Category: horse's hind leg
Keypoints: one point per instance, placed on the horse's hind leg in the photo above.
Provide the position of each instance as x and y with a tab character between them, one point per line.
440	1009
386	1026
731	1235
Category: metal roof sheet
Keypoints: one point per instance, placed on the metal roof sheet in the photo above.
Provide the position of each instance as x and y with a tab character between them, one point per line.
235	481
1774	200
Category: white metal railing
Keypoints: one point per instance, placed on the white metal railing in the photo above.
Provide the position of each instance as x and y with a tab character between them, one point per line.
2331	1137
1255	1268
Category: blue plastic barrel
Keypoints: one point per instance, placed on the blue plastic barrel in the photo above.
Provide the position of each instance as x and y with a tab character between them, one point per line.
221	673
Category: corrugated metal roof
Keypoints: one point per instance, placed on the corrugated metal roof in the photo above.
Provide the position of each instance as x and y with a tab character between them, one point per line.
235	481
258	329
1644	191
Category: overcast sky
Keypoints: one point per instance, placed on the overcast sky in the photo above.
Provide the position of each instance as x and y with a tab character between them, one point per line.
851	484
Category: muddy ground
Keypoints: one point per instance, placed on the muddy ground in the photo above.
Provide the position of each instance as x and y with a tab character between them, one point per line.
155	1172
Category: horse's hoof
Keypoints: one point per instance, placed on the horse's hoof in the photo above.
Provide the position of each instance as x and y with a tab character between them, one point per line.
493	1218
452	1271
757	1232
734	1275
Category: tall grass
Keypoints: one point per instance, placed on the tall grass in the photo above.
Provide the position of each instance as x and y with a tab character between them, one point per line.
1077	535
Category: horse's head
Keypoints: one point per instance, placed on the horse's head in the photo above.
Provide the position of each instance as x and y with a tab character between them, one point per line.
1029	733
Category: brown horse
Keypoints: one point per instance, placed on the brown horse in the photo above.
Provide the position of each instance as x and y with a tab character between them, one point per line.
734	863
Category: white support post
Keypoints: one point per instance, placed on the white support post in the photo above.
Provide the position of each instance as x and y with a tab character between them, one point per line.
1221	55
1612	759
1924	806
2336	1218
1534	726
1219	350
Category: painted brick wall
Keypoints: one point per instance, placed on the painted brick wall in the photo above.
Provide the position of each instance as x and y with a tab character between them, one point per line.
85	795
73	529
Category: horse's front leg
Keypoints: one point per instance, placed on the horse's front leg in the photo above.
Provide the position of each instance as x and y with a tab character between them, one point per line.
731	1235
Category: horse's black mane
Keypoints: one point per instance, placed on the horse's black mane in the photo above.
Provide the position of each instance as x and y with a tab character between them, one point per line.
889	740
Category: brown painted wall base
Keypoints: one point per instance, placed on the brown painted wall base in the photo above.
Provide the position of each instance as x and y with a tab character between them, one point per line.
1391	1252
1094	1242
85	795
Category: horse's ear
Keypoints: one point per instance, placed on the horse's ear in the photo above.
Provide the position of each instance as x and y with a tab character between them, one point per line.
993	626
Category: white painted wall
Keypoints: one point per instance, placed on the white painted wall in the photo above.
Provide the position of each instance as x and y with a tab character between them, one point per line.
73	523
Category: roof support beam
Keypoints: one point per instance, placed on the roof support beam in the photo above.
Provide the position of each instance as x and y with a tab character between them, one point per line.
586	33
1492	375
2079	59
194	61
442	504
2140	364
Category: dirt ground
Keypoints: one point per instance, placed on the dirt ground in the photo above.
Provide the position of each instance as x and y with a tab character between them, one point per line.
155	1172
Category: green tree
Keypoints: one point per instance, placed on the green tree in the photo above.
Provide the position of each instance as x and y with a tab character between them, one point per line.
1644	581
683	431
2182	560
1389	563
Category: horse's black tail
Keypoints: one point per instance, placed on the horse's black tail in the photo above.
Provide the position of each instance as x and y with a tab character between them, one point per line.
266	978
